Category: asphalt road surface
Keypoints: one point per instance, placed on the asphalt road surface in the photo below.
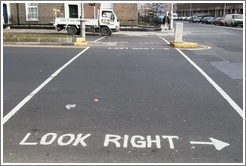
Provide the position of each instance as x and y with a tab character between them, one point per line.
126	99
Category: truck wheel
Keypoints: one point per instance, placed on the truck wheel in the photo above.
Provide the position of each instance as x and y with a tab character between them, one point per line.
72	30
105	31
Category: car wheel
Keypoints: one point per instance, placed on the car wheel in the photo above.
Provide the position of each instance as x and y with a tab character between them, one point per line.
72	30
105	31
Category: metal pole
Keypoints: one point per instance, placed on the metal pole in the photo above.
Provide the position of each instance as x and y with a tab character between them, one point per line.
82	24
224	10
171	19
94	12
18	14
190	8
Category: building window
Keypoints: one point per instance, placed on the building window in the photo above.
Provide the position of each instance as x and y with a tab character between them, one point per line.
31	12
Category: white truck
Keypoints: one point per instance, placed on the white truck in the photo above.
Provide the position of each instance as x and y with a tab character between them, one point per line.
105	23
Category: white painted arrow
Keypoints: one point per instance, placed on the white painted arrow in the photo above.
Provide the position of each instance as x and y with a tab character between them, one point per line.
69	106
217	143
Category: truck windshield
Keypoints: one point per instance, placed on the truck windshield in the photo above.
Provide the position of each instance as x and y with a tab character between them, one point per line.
107	14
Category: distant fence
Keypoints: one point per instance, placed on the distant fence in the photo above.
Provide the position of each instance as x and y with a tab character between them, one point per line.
141	22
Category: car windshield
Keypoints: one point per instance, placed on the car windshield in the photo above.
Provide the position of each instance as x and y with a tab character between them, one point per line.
239	16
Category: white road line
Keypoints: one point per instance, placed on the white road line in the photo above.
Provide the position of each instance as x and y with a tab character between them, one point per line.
25	100
98	39
216	86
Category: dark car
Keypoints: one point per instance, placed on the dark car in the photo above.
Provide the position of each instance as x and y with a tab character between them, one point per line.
203	20
194	19
207	20
219	21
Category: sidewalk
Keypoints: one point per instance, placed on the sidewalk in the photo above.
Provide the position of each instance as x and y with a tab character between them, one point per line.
70	40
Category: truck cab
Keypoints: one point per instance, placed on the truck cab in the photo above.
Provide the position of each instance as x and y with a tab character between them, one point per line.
108	22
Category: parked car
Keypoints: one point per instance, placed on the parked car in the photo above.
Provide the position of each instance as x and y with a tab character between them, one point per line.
234	20
188	18
200	17
219	21
203	20
194	19
209	20
222	21
183	18
175	16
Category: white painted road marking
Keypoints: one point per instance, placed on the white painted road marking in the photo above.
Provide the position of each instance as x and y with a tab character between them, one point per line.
49	138
217	143
69	106
135	141
25	100
216	86
98	39
138	141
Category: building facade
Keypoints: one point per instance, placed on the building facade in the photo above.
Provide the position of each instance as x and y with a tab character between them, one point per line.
42	13
160	9
213	9
127	13
143	9
164	8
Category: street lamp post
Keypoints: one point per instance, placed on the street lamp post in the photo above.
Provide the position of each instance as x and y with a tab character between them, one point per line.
171	19
82	24
224	10
190	8
94	9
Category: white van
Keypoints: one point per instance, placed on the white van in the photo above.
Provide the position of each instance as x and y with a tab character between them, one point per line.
233	20
175	16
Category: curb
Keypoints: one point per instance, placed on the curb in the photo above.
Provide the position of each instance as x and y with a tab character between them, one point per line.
183	44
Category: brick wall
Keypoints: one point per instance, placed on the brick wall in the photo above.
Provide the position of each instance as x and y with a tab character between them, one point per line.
125	12
89	10
45	13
